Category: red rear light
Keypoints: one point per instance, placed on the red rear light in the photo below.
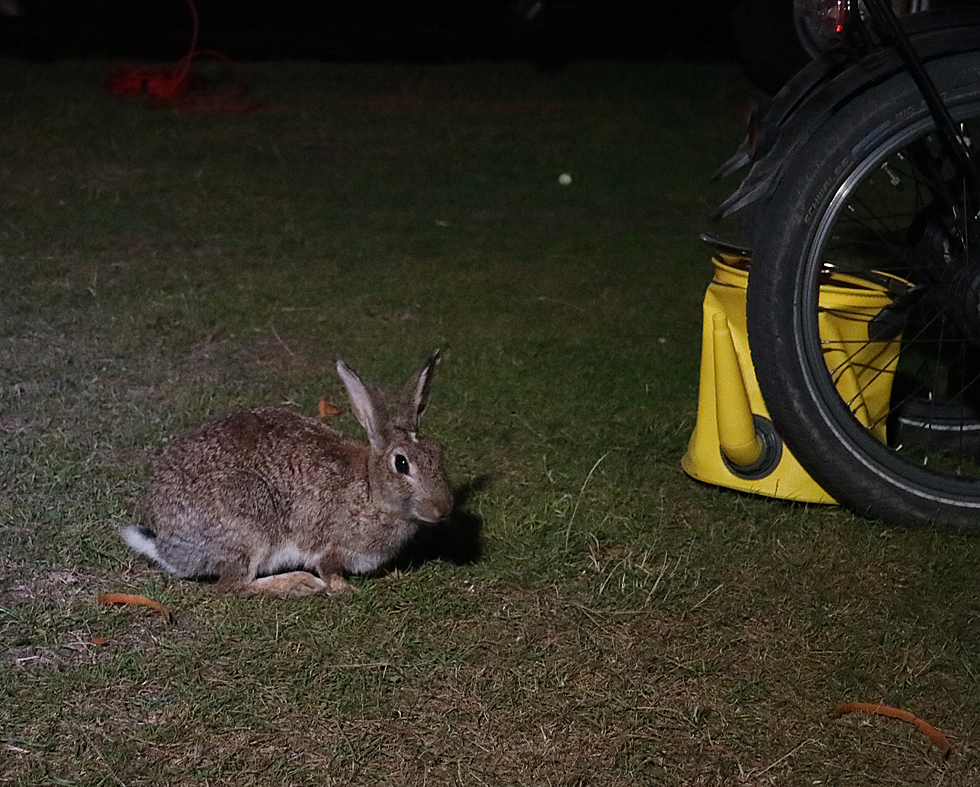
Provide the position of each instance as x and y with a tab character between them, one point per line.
839	14
820	23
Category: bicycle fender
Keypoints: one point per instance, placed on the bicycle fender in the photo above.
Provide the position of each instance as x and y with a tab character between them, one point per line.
811	97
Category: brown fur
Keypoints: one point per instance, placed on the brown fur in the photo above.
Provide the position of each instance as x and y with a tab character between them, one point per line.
257	492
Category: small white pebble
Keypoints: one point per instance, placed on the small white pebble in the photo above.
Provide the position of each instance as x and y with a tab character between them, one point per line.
565	179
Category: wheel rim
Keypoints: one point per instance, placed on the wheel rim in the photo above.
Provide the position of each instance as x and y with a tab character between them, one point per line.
894	225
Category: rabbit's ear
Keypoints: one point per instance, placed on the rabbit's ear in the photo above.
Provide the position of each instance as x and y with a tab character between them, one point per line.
416	395
369	407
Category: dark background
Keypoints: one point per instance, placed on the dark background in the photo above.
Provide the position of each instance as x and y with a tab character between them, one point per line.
423	30
759	34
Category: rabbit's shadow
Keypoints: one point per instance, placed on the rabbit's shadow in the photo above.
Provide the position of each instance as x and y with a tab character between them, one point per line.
457	540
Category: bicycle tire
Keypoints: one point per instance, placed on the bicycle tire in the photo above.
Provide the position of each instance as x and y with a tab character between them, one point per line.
872	198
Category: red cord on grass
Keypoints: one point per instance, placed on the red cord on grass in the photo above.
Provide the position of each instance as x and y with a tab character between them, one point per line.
177	85
150	82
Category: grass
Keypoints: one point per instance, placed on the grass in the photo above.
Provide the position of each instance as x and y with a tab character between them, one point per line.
598	618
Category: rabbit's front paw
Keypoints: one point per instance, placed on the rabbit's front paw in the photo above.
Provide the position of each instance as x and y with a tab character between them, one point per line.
337	585
292	583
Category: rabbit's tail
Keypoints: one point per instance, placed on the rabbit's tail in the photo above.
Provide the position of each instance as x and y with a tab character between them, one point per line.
143	540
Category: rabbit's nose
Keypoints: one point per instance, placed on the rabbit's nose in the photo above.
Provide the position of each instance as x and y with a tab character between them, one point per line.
434	509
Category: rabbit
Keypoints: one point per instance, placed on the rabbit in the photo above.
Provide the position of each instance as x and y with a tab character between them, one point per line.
261	491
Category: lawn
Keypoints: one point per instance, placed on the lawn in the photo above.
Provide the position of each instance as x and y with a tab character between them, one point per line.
591	616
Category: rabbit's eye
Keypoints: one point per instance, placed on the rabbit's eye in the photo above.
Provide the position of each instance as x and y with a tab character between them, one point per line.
401	464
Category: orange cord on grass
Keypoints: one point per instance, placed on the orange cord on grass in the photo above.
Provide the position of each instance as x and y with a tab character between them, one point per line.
178	86
111	599
940	740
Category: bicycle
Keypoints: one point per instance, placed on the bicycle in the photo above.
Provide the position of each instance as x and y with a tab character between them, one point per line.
864	174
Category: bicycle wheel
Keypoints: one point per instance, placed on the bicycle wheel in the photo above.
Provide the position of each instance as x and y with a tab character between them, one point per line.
880	405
